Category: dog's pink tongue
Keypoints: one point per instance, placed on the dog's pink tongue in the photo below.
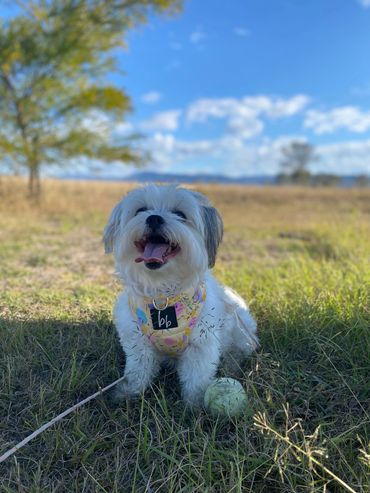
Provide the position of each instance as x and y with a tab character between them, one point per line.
153	252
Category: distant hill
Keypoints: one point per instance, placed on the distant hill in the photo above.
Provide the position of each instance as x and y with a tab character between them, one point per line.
152	176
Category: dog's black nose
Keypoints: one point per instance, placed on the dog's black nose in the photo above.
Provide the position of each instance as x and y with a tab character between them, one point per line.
154	221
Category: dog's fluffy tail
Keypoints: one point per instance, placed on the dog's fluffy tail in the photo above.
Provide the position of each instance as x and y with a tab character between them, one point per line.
245	328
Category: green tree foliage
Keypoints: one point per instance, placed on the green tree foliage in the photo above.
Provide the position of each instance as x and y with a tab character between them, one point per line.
53	58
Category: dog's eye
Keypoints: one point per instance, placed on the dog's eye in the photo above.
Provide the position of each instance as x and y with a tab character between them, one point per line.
142	209
180	214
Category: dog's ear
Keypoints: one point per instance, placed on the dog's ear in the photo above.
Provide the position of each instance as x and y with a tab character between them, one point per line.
214	229
112	227
213	226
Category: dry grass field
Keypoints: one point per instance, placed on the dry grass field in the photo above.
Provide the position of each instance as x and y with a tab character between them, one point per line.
301	259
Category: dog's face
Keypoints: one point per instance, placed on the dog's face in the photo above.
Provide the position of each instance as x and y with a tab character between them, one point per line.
163	235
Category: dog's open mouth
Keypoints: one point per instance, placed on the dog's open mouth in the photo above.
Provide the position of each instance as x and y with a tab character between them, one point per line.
155	251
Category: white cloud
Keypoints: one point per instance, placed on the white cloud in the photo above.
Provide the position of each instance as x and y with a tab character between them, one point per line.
163	142
244	116
83	167
194	148
345	117
241	31
254	158
123	129
161	148
345	158
241	148
197	36
165	120
245	126
151	97
257	158
238	158
166	150
351	157
169	153
202	109
364	3
280	107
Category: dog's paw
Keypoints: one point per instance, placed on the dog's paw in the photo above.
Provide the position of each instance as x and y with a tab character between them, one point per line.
119	392
194	401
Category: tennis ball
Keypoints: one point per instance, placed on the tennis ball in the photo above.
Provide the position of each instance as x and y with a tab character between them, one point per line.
225	397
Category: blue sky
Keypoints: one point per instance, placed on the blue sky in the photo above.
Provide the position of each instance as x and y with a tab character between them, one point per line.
222	86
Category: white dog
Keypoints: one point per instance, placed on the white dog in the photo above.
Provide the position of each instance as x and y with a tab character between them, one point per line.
164	240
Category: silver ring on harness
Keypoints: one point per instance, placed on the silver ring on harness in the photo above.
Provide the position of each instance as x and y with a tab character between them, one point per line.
161	308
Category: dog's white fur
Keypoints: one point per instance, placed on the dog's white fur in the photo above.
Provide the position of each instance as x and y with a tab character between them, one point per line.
225	326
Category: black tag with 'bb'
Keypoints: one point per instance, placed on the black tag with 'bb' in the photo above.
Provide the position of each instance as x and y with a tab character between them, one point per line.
164	319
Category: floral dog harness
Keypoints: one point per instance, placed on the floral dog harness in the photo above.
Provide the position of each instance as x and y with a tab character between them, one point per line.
168	323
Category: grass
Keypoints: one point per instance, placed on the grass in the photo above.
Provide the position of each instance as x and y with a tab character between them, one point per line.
299	256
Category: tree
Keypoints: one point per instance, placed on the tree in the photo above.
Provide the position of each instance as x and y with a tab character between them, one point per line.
326	180
53	57
362	181
296	158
